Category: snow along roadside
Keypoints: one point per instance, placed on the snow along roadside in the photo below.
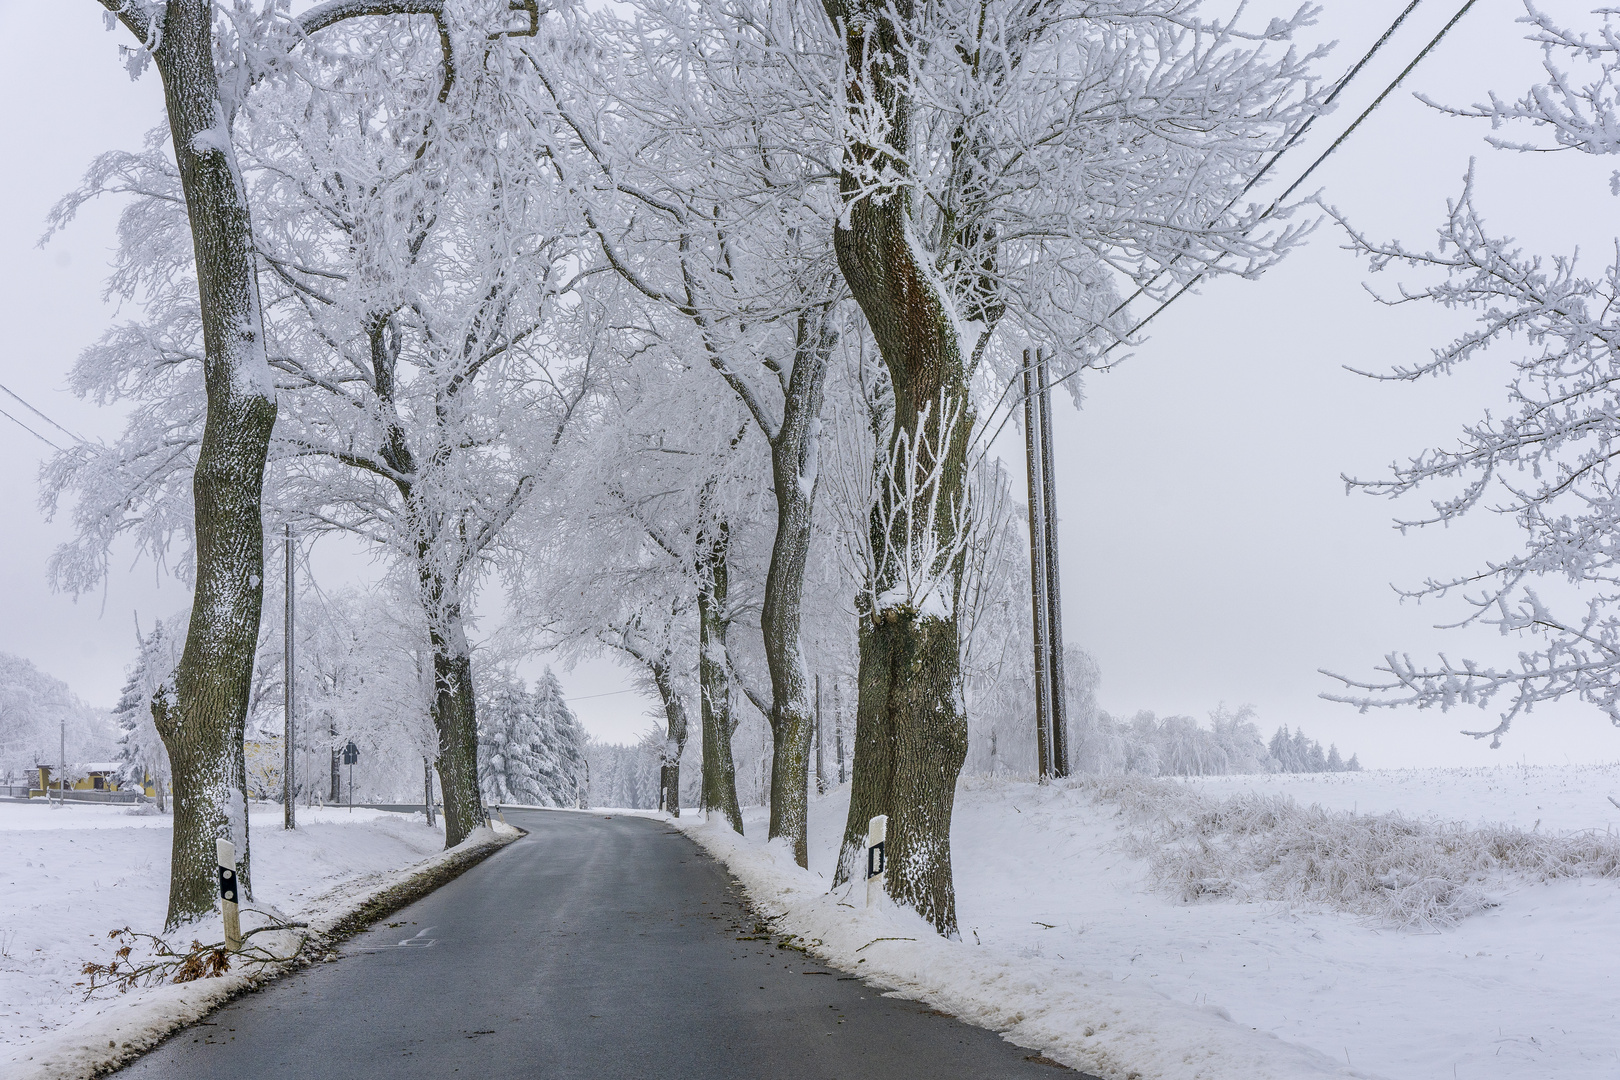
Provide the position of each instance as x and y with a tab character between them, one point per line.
1086	1020
130	1024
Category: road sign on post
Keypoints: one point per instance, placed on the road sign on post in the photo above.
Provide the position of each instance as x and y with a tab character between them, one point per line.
225	852
351	754
877	835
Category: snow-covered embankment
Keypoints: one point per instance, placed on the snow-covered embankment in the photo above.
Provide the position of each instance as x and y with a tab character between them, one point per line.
1079	938
74	874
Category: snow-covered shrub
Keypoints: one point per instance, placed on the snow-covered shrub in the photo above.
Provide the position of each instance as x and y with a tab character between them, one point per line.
1387	867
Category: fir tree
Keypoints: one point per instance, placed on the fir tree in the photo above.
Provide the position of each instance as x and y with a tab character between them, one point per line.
508	742
564	746
141	754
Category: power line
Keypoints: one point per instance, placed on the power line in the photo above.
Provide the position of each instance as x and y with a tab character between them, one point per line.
1327	103
1338	88
42	416
30	430
1179	293
1377	101
610	693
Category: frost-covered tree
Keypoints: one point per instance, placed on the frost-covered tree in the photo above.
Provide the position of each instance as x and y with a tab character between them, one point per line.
209	57
637	548
510	743
141	754
365	675
38	713
1546	458
531	748
562	777
411	266
1003	166
627	776
701	143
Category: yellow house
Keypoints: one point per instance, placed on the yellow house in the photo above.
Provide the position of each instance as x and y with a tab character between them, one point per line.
88	776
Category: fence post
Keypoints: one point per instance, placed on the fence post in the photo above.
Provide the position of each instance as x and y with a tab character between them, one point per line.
225	852
877	834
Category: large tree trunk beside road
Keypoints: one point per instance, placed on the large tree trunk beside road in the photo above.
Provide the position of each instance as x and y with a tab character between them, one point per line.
714	674
911	734
795	454
669	773
201	713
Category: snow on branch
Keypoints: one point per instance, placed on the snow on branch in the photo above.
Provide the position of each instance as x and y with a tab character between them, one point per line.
1547	460
909	551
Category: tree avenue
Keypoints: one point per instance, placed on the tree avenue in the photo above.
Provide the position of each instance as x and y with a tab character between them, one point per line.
685	325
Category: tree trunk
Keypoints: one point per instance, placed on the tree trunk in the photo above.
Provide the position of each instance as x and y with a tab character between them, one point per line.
454	710
911	734
669	772
202	715
714	677
794	477
335	794
456	719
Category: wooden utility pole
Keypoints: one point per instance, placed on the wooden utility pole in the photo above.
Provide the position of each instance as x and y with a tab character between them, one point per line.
289	675
1058	691
838	727
1040	611
821	757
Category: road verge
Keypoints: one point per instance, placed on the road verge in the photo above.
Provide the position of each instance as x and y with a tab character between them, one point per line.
130	1024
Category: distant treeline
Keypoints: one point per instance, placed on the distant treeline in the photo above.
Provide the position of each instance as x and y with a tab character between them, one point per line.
1180	746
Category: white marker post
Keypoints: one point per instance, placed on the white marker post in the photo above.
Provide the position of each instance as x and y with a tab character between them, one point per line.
877	834
225	851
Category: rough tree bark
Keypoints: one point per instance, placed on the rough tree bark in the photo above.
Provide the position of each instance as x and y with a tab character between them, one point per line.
439	588
714	673
454	712
669	773
202	710
794	478
910	733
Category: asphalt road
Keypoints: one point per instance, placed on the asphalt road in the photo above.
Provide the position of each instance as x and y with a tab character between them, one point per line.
594	948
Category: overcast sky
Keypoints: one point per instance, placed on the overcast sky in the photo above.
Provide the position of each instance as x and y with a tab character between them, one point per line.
1210	553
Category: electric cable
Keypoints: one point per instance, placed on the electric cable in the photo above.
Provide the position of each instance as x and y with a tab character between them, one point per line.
1179	293
30	430
42	416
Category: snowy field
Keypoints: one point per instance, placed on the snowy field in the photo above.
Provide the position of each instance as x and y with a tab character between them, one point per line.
72	874
1074	944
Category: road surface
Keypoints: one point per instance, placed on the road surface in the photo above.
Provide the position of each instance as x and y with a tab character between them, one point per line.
595	948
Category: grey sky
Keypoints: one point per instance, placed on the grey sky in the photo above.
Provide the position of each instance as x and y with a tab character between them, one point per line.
1209	551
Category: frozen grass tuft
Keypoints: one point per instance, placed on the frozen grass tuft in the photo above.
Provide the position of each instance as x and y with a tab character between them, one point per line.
1388	867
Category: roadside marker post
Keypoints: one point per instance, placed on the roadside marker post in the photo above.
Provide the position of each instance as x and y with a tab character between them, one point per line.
225	851
877	834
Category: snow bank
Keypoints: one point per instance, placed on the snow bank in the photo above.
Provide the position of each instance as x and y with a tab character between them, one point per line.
1072	945
1082	1018
76	873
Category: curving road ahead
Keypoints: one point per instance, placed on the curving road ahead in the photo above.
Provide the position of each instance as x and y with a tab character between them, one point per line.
595	948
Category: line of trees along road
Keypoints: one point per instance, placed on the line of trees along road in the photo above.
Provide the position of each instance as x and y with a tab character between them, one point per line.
676	322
